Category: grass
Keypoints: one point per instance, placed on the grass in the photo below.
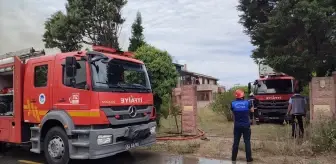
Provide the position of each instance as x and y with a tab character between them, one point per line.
270	142
216	125
168	127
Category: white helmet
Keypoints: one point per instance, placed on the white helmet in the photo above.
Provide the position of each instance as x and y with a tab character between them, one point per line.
251	94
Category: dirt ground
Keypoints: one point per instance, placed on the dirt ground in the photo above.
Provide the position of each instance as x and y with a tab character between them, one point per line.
271	143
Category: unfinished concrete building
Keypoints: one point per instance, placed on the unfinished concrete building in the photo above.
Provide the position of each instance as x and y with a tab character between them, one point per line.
207	86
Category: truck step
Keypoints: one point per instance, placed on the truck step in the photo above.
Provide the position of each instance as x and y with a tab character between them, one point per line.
35	128
34	139
81	131
34	150
81	143
80	156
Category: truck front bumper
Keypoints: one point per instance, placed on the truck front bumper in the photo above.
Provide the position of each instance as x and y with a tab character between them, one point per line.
272	114
100	143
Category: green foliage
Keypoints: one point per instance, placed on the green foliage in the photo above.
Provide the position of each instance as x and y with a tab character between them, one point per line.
163	73
137	39
244	88
164	107
324	136
222	104
61	34
86	21
294	37
169	108
255	12
305	91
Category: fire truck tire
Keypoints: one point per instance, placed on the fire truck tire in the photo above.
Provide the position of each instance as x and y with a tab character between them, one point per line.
56	146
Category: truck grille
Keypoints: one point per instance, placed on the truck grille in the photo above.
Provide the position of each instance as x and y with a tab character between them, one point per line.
271	104
125	117
125	108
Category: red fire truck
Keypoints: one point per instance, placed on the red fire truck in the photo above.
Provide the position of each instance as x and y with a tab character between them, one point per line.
271	93
75	105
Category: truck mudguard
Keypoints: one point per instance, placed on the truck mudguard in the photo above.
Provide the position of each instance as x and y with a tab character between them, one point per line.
61	116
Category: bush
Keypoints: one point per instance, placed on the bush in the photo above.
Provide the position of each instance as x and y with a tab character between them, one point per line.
222	104
244	88
324	136
305	91
163	76
164	108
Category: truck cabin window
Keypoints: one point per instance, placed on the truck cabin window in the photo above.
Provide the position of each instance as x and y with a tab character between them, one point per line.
6	92
280	86
80	76
119	76
41	76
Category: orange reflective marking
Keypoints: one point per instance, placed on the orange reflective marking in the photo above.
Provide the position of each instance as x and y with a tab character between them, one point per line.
37	114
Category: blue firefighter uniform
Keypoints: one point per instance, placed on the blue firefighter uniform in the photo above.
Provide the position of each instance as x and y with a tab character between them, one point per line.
241	111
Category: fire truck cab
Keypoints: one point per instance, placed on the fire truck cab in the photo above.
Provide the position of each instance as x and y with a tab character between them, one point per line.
272	92
76	105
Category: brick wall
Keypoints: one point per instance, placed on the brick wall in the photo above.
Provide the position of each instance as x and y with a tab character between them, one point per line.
186	98
323	98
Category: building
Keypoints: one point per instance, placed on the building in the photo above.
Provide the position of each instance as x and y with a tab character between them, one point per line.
207	86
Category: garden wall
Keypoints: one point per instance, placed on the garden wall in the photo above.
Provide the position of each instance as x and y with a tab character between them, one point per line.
322	98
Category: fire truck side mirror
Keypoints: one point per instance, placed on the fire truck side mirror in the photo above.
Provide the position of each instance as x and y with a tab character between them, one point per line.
249	88
70	66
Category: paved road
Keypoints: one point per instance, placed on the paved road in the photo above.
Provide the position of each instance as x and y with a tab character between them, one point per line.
17	156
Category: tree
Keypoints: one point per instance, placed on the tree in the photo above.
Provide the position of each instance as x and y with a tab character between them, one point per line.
137	39
222	104
297	38
61	34
255	12
242	87
163	73
94	22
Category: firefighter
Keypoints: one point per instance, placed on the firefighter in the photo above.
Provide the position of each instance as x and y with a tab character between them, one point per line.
241	109
254	105
297	109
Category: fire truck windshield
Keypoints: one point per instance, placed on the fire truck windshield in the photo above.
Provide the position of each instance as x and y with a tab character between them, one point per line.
119	75
271	86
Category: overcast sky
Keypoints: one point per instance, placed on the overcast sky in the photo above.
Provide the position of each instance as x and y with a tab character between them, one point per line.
205	35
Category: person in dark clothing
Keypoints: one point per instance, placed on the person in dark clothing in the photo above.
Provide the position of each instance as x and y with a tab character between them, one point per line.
297	109
254	105
241	110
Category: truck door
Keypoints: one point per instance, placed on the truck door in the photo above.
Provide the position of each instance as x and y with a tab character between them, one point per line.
75	100
37	95
10	123
16	123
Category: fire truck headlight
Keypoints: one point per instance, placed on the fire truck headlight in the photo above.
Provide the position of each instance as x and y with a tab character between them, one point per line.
104	139
153	130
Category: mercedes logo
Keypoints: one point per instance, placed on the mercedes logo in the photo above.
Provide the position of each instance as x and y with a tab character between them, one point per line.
273	103
132	111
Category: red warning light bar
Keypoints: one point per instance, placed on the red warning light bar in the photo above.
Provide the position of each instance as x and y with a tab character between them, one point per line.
104	49
112	51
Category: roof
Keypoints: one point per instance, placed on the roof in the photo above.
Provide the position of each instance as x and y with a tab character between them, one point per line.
199	75
176	64
194	73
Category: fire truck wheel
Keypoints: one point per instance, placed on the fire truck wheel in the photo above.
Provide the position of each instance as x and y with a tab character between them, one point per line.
56	147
